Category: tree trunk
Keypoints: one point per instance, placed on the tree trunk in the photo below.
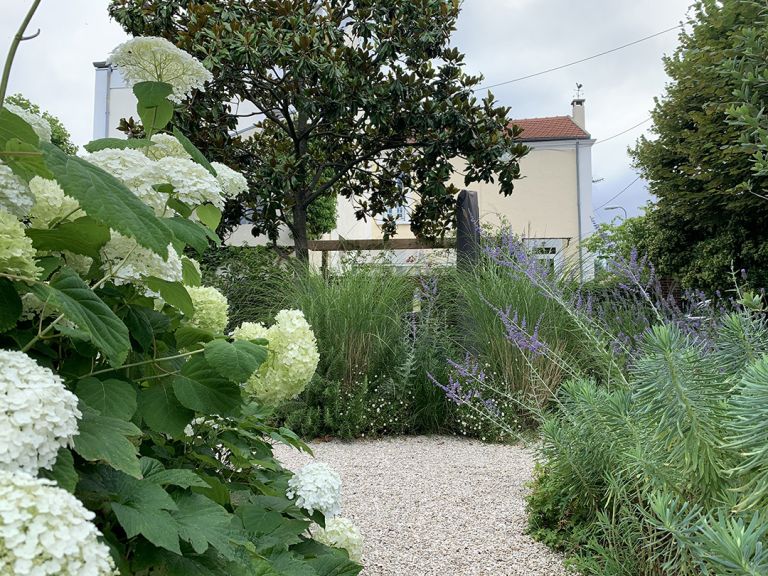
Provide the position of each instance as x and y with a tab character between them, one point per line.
300	232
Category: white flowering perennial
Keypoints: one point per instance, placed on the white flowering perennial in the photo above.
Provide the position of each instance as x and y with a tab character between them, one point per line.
38	415
192	183
341	533
165	145
211	308
316	487
15	196
136	171
292	360
149	58
17	255
232	182
40	125
129	262
45	530
51	204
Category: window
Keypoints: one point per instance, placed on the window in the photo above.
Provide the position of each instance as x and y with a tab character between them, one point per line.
549	251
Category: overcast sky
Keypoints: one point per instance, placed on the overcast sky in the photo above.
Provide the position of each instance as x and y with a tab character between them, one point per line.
503	39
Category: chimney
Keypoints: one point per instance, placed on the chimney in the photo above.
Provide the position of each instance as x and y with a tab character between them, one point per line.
578	113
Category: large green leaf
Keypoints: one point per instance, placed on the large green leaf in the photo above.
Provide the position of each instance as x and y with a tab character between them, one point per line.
209	215
200	387
192	150
336	563
153	471
142	507
101	438
162	411
202	522
11	307
26	160
269	528
186	336
106	199
238	360
113	398
154	108
63	471
189	272
71	296
116	143
82	236
190	233
173	293
18	136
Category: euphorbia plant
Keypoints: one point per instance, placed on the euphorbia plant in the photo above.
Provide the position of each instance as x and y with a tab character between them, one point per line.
127	439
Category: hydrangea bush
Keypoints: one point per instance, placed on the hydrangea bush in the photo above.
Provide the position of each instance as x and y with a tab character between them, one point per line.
130	441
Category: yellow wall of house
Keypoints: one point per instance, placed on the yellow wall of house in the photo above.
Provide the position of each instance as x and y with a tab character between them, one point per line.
543	204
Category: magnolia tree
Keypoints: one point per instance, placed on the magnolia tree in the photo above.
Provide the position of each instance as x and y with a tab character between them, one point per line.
133	430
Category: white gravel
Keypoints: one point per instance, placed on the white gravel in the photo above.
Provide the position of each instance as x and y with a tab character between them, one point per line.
437	505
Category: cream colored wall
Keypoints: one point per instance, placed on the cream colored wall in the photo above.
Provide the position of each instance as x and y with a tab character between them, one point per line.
543	204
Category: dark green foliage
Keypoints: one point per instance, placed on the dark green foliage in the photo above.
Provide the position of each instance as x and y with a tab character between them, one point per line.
705	219
366	100
660	477
59	134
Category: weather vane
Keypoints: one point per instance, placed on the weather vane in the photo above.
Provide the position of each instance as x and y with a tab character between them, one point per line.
578	90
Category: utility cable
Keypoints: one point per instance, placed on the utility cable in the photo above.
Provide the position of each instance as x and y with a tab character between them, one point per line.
622	132
627	187
579	61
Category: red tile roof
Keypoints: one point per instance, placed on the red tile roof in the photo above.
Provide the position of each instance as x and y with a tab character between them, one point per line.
551	128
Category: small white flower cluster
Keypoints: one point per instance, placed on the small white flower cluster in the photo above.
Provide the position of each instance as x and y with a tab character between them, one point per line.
17	255
293	356
51	204
192	183
232	182
316	487
15	196
341	533
153	59
45	531
167	162
38	415
40	125
211	308
165	145
129	262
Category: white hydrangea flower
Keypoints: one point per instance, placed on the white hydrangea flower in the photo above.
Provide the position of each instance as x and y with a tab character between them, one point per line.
50	203
292	360
40	125
17	255
46	531
15	196
136	171
316	487
192	183
232	182
39	415
140	262
165	145
341	533
211	308
149	58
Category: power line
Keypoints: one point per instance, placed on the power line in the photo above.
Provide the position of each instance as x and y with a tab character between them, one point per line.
579	61
627	187
623	132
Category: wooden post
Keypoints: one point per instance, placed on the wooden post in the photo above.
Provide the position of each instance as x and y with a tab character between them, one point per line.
324	264
467	229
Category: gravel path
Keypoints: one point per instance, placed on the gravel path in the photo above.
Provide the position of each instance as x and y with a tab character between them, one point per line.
437	505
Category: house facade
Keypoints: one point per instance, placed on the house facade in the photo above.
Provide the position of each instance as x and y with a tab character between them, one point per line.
550	208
